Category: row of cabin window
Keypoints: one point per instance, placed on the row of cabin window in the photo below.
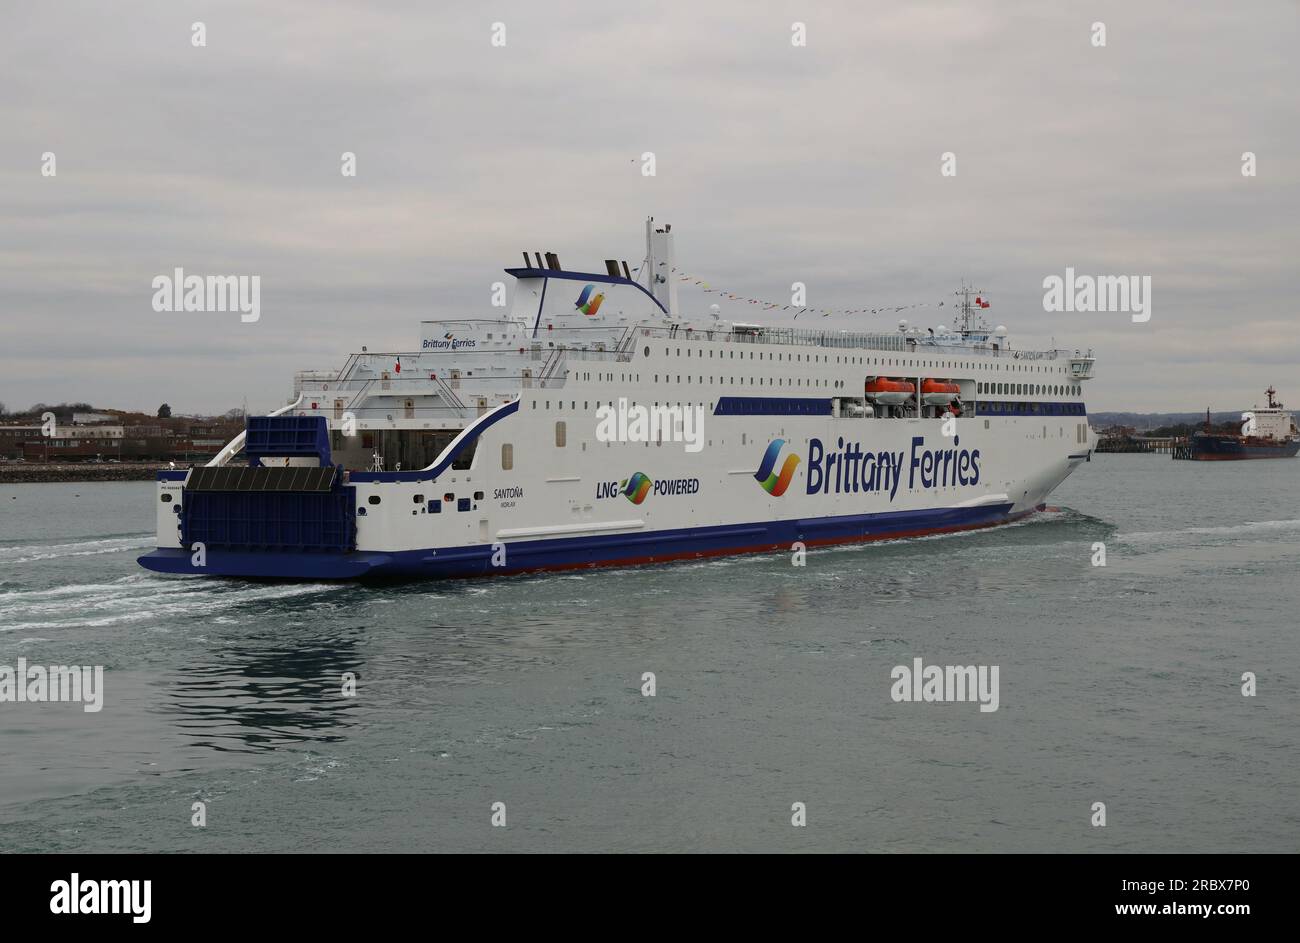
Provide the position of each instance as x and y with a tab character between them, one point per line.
993	389
996	388
876	361
586	404
636	378
1029	389
779	381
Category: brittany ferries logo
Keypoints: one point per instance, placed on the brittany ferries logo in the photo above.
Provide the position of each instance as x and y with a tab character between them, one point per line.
586	303
448	342
775	483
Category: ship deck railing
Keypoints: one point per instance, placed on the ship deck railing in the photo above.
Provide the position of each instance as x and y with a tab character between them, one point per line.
578	343
891	341
368	375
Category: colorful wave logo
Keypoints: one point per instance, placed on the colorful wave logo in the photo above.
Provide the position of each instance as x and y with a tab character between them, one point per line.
773	483
636	488
586	303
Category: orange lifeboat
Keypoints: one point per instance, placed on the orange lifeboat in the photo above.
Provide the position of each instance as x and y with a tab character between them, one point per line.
888	391
939	392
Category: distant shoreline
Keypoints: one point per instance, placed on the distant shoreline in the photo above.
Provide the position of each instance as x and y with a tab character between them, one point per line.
36	473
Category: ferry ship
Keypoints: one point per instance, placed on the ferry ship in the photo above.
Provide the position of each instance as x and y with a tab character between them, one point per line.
518	443
1267	432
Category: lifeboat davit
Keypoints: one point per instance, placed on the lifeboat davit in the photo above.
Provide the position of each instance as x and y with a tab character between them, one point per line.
939	392
888	391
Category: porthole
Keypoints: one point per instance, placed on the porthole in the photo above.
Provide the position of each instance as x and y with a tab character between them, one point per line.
373	499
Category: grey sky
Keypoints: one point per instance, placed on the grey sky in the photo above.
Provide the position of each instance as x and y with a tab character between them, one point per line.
775	164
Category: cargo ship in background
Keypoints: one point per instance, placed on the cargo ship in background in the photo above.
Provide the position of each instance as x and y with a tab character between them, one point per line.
482	452
1266	432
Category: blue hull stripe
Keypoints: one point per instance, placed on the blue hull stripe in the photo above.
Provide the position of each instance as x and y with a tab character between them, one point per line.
570	552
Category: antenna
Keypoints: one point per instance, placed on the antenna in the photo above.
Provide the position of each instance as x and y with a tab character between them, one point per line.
967	313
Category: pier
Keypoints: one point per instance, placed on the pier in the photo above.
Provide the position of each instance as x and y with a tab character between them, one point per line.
1141	443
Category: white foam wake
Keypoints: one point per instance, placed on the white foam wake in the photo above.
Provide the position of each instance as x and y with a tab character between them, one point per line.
31	553
137	599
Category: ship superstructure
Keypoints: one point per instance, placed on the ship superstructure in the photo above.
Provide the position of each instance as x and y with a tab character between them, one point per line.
509	444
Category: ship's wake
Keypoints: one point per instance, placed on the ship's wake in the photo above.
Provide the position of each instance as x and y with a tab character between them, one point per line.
142	599
36	553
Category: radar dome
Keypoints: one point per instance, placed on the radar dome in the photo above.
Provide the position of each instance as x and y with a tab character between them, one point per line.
1000	330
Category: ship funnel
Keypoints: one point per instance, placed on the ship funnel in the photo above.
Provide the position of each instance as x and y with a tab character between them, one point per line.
611	268
662	265
553	261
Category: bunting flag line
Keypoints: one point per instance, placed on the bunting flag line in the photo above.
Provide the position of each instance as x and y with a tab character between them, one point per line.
800	309
765	305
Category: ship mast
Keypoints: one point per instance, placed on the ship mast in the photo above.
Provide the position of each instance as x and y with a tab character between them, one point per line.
964	322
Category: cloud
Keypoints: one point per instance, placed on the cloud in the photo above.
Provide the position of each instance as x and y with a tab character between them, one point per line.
775	164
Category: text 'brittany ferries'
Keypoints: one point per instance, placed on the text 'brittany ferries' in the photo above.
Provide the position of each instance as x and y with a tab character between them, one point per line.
849	470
